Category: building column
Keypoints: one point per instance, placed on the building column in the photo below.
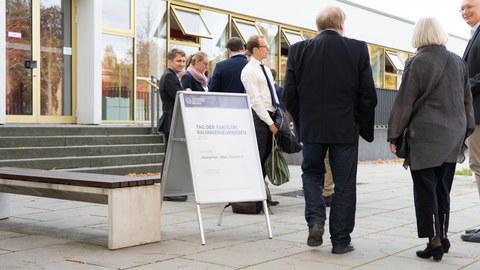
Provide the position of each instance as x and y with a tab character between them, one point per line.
89	62
3	63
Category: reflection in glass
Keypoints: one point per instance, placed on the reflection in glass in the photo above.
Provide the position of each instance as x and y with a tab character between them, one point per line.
189	50
308	34
192	23
293	38
395	61
246	30
117	77
18	50
376	53
216	48
151	50
271	33
116	13
55	75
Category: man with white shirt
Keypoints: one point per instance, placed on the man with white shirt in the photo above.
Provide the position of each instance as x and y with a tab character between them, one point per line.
470	11
259	85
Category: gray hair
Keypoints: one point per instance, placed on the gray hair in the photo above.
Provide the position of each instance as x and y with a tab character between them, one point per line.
428	31
330	18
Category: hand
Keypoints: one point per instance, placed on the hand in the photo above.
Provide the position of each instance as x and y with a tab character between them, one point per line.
273	129
393	148
188	89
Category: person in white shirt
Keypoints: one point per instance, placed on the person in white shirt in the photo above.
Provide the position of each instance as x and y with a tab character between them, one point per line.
259	85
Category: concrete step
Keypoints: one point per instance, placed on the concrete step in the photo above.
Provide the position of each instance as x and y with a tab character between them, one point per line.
121	170
76	151
39	141
87	161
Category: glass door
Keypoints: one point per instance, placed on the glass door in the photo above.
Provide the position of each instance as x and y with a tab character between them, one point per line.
39	61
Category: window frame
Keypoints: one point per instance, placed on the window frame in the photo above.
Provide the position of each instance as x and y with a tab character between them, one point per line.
180	23
251	23
284	34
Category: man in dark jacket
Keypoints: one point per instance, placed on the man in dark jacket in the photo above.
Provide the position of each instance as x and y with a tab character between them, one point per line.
470	10
169	85
329	91
226	77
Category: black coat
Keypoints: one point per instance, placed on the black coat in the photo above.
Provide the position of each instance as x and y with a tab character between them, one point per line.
329	89
188	81
226	76
472	57
169	85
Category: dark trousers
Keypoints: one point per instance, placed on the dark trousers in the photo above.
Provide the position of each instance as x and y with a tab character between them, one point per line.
264	139
431	192
166	135
343	163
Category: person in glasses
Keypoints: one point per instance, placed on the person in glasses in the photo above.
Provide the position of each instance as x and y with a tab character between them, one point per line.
470	11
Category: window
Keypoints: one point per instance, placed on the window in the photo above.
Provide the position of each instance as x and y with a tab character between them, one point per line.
191	22
244	29
394	61
116	13
215	48
292	37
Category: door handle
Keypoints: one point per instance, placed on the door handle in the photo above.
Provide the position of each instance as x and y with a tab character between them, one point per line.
31	64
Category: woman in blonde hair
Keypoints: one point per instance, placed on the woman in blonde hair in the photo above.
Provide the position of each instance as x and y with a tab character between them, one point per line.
195	78
435	103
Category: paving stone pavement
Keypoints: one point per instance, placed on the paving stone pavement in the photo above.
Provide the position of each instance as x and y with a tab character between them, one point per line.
54	234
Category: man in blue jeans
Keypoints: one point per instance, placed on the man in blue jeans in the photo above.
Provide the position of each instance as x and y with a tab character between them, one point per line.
330	93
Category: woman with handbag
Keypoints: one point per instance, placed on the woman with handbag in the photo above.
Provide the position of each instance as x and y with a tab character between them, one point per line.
434	103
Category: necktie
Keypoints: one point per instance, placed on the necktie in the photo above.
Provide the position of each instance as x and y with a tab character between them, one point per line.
272	95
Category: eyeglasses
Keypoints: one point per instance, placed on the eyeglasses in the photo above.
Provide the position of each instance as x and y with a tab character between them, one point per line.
466	8
264	46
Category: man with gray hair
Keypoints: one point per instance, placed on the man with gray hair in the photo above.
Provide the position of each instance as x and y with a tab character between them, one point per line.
330	93
470	11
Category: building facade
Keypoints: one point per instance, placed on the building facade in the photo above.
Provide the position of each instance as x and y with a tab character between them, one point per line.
91	62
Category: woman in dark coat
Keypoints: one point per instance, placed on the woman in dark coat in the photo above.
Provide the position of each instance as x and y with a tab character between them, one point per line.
437	130
195	78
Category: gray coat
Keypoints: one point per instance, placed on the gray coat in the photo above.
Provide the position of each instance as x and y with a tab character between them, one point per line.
439	127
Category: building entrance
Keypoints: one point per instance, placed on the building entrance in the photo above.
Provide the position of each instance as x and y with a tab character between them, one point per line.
39	61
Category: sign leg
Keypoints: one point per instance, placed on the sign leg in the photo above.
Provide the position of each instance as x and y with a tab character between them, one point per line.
4	205
200	224
267	219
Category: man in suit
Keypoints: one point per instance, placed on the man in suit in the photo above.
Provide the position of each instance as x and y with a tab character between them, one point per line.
226	77
470	11
169	85
329	91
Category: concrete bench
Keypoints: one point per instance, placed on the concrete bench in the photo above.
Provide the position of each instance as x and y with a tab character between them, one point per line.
133	203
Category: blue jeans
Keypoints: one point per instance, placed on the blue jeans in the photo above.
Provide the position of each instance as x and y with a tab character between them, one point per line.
343	162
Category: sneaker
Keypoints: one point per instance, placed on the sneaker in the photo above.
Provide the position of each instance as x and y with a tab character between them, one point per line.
315	234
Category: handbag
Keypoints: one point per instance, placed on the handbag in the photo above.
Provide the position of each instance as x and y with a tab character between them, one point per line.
276	166
287	140
401	143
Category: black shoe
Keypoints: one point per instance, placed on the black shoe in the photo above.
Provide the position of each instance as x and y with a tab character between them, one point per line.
328	200
315	234
472	231
341	249
175	198
471	237
430	251
445	245
273	203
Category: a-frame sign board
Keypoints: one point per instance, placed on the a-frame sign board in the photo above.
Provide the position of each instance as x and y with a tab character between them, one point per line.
212	152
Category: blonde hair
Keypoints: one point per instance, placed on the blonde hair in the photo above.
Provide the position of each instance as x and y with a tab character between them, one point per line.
428	31
330	18
198	56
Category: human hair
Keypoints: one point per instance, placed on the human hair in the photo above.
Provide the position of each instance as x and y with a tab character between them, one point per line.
274	73
173	53
253	42
428	31
330	18
235	44
193	58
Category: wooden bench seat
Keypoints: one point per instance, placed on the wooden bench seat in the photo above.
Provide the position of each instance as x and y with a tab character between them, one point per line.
133	202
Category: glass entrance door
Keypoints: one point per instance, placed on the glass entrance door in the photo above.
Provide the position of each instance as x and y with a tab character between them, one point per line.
39	61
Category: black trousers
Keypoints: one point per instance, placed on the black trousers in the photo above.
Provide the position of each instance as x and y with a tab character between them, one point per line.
431	191
264	139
